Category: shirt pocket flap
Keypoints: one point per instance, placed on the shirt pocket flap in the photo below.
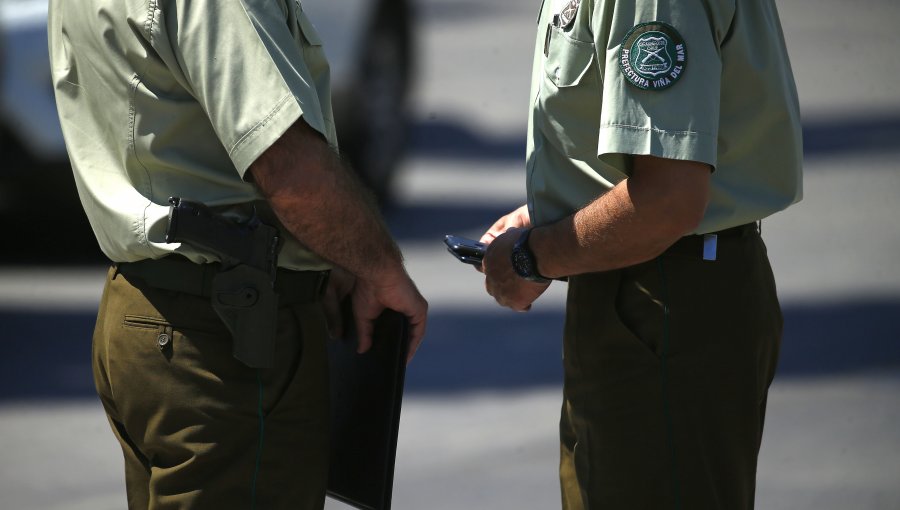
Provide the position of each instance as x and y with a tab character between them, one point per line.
306	26
568	60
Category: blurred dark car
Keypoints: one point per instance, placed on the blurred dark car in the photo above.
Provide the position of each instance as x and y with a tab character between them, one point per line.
368	42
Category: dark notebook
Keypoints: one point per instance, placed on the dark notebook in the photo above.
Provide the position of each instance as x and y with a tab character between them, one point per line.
366	393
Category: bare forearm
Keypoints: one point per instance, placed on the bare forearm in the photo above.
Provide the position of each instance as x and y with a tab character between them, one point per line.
607	234
632	223
324	206
360	243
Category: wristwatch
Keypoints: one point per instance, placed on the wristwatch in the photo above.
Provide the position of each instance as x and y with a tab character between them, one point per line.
523	261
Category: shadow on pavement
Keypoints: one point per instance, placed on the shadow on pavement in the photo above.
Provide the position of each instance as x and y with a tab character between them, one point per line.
59	233
48	354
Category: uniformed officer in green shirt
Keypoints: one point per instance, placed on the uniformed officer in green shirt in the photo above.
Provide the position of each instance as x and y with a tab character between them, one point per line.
226	104
661	133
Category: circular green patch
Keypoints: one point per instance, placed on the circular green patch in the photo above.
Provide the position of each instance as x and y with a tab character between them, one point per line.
653	56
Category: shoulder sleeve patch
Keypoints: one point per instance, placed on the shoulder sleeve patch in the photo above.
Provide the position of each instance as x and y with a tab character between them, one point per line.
653	56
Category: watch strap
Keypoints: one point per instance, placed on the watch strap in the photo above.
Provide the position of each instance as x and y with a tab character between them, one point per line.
523	260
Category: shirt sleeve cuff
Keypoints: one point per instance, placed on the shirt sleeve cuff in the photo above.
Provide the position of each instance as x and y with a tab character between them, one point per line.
643	141
267	132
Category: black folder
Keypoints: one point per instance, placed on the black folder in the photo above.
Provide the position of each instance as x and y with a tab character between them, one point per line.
366	394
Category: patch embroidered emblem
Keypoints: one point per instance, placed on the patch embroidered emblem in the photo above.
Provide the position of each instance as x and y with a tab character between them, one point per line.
567	14
653	56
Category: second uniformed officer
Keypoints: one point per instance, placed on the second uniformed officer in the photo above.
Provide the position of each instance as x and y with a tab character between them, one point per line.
661	133
218	397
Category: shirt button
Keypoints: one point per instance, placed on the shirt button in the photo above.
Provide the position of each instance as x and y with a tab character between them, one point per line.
162	340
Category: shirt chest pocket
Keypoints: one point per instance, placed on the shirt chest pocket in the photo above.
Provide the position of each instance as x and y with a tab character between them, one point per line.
567	60
571	94
308	38
315	71
308	31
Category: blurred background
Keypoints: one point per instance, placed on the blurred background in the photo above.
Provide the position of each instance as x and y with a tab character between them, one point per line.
440	132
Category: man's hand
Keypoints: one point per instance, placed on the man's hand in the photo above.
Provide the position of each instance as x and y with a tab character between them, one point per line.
323	205
397	292
340	284
508	288
516	219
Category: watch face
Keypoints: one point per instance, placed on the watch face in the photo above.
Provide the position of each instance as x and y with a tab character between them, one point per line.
522	263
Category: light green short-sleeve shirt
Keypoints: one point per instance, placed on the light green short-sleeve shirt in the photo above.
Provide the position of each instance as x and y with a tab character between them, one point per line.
704	80
162	98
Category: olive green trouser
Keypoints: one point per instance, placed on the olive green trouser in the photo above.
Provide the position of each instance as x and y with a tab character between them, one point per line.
199	429
667	368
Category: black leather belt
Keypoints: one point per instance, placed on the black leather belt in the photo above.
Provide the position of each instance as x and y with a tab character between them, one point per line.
178	274
699	245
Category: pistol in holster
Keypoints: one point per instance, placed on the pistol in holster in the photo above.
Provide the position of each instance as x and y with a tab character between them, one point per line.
243	290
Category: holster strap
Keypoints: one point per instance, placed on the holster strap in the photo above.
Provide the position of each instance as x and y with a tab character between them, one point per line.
178	274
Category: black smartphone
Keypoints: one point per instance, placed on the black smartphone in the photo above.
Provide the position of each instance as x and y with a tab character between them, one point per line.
466	250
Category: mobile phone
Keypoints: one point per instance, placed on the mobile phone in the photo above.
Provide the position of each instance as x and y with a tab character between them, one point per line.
466	250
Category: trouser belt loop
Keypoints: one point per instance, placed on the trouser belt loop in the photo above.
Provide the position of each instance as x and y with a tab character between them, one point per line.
322	284
710	246
294	287
706	246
